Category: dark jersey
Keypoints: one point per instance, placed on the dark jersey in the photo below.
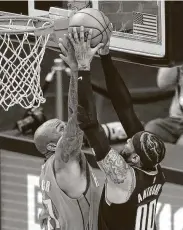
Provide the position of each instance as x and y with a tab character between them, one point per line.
62	212
138	213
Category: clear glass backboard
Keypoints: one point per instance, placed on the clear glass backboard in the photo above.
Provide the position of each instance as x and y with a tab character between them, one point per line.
139	26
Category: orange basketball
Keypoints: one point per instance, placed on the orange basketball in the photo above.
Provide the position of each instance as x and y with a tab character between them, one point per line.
92	19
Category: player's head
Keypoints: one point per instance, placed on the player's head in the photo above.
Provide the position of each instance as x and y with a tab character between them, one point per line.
47	136
144	150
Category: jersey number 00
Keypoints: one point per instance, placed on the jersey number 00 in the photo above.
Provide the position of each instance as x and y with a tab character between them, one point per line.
146	216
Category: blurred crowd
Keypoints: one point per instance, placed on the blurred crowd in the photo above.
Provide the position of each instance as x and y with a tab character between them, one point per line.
170	128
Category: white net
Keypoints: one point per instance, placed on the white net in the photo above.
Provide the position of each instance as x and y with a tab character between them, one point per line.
21	51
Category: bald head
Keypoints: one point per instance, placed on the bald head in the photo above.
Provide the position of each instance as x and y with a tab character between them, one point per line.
48	134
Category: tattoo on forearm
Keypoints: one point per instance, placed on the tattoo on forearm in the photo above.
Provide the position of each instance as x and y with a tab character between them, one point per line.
71	146
71	142
73	95
114	166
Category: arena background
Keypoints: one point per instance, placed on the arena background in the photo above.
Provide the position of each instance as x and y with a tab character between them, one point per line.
20	196
135	76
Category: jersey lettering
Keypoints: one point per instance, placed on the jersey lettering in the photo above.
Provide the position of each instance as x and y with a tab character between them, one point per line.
53	223
146	216
45	185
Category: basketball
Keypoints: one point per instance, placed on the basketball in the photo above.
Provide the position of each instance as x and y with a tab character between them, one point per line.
95	20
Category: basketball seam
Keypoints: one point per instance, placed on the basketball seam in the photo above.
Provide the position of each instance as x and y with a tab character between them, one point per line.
94	18
106	29
103	17
101	37
105	24
108	25
91	28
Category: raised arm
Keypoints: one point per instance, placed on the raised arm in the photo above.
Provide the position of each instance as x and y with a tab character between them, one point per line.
118	172
69	145
119	95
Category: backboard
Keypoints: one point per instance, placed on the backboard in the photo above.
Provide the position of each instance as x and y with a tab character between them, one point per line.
41	8
126	16
139	26
145	32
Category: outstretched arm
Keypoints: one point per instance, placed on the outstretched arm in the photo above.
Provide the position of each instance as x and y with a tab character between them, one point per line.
120	96
69	145
118	172
112	163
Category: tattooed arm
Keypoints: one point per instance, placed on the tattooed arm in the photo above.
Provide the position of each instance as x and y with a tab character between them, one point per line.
119	174
69	145
121	180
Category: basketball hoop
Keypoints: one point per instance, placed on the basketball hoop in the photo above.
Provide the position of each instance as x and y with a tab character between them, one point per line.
23	41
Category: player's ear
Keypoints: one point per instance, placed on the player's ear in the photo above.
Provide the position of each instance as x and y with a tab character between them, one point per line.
51	147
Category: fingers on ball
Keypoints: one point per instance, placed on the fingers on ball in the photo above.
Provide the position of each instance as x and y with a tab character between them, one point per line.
82	33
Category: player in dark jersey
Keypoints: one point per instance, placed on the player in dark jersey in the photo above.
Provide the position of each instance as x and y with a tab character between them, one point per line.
134	176
69	187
